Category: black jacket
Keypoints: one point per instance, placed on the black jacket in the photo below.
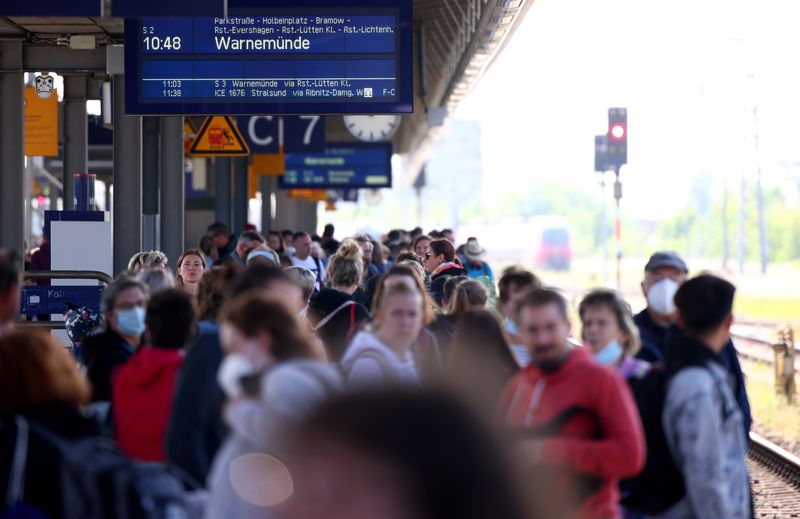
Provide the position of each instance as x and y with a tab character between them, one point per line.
440	278
102	355
196	430
444	330
42	485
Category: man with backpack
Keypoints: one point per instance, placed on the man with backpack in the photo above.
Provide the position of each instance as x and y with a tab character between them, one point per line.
302	257
580	432
702	422
664	273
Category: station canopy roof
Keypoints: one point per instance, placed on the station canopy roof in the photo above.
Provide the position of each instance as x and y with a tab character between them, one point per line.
455	41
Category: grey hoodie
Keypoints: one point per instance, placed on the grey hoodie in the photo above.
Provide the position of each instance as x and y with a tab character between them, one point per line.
369	362
290	391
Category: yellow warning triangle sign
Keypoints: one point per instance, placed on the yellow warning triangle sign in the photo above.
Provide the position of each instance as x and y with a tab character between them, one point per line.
189	129
189	133
218	136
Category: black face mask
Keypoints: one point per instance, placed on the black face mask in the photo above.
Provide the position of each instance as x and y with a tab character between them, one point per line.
553	365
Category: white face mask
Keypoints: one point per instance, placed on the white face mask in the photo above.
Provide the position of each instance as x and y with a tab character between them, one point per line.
233	368
661	296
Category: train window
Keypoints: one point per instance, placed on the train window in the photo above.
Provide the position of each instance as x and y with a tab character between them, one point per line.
555	237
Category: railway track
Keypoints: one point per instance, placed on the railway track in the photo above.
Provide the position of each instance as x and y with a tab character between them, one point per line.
775	475
754	341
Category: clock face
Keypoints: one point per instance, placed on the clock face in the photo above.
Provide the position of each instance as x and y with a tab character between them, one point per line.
372	128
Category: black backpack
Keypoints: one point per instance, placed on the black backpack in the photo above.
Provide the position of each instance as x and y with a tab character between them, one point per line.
99	481
660	485
583	486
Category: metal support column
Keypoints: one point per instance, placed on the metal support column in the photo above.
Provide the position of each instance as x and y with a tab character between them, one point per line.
265	186
172	192
240	198
150	184
222	190
12	146
308	215
285	213
313	219
127	180
76	135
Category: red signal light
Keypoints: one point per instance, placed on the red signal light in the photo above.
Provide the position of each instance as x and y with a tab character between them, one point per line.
617	131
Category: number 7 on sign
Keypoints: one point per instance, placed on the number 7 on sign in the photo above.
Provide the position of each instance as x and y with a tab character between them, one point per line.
303	133
312	122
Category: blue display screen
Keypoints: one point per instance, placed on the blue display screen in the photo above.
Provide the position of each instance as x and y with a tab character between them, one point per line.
342	166
311	59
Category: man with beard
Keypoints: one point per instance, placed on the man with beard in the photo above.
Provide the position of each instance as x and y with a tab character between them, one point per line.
578	425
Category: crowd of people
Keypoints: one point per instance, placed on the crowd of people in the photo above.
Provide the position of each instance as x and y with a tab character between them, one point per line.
297	376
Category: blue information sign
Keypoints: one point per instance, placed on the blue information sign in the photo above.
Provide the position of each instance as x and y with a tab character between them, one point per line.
316	57
54	299
342	166
300	133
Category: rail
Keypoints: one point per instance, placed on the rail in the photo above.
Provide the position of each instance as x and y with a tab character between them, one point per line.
59	274
778	460
68	274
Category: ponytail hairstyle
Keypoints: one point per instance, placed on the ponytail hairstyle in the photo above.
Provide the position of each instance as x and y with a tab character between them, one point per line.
346	267
469	295
444	247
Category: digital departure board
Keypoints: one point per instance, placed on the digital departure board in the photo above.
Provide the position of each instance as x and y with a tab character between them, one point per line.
316	58
342	166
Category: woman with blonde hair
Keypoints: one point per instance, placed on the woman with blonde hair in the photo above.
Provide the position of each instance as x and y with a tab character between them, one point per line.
346	267
383	355
154	259
425	348
609	331
41	389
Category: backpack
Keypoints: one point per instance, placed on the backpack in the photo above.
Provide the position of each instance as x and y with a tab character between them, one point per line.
99	481
660	485
582	486
387	372
318	284
15	506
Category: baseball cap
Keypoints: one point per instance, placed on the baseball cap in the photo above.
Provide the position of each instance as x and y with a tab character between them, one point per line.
665	259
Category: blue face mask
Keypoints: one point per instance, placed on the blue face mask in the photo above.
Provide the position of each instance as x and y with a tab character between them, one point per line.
610	354
131	322
511	327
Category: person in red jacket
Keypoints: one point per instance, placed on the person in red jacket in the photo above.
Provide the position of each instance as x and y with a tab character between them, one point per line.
143	388
578	428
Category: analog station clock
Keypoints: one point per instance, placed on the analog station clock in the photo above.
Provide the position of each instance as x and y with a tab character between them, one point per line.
372	128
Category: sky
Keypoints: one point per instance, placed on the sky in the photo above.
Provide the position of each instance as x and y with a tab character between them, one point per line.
690	73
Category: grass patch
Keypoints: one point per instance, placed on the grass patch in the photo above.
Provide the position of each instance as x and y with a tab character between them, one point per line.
770	308
769	408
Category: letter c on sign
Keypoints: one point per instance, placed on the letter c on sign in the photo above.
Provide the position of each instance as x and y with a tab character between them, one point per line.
251	130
